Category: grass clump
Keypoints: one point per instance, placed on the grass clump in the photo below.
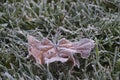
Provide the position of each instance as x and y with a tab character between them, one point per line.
74	19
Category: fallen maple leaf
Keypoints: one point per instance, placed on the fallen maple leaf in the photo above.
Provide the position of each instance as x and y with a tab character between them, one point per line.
45	51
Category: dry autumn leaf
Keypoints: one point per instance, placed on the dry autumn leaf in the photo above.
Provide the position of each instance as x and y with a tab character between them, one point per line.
45	51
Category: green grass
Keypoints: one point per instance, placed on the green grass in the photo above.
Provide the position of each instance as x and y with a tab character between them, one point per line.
74	19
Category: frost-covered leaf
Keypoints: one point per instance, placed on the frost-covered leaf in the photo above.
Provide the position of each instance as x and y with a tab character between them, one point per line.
45	51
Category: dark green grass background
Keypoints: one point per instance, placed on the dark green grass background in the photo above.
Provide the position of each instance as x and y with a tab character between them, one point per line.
71	19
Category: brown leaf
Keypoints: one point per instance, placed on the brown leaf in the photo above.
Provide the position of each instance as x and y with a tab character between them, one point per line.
45	51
